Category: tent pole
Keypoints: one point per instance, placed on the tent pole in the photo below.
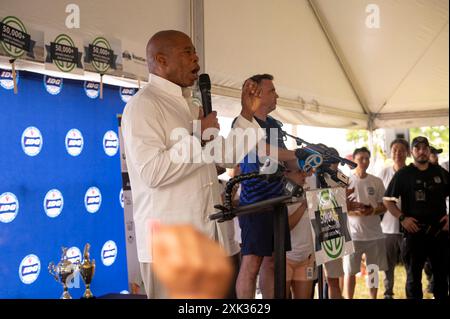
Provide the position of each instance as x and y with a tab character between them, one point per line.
197	29
370	128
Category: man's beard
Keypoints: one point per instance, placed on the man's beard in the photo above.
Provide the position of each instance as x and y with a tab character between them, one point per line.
420	161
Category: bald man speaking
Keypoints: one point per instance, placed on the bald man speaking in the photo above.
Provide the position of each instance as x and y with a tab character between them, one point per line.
171	180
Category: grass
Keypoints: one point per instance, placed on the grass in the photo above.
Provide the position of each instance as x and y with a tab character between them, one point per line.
362	292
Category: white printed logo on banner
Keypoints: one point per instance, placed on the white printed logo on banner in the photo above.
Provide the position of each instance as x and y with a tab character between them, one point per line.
74	142
53	203
92	89
109	253
92	199
9	207
74	254
6	79
127	93
110	143
121	198
53	85
31	141
29	269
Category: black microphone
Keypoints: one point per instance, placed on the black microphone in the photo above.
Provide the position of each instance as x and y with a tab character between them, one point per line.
204	84
332	156
350	163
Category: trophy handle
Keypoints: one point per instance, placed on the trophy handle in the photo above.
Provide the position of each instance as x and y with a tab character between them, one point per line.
64	253
86	251
52	271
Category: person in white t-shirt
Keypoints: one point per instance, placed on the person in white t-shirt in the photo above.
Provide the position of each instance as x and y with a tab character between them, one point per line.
365	227
228	228
389	223
301	268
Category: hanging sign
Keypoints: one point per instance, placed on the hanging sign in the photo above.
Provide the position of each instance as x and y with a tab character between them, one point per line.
102	56
14	38
63	53
327	210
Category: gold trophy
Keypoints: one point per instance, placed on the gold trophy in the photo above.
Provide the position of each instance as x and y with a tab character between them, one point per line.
87	270
62	272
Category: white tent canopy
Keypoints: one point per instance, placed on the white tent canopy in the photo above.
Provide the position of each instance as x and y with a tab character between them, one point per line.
331	69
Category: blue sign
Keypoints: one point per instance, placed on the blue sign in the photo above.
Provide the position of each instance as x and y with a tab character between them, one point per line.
59	188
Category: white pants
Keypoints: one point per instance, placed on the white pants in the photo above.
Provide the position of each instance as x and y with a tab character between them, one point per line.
153	287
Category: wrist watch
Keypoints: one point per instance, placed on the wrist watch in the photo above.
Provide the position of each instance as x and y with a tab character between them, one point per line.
402	217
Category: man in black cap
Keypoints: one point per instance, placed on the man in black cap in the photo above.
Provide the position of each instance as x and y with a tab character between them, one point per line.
434	155
422	189
434	159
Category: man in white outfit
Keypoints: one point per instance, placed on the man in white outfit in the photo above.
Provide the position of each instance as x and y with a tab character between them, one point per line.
170	180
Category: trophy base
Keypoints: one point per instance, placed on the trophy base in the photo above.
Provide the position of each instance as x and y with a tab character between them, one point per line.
88	294
66	295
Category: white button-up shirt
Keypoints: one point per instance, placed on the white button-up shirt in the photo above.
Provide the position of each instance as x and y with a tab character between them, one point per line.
171	192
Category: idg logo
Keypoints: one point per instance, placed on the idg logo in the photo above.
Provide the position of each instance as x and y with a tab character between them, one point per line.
53	203
92	89
32	141
109	253
74	254
29	269
92	200
127	93
110	143
121	198
6	79
74	142
53	85
9	207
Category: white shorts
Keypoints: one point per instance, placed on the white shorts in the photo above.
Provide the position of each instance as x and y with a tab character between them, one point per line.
375	252
304	270
334	269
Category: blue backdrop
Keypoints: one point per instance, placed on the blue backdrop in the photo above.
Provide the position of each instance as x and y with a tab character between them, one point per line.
44	183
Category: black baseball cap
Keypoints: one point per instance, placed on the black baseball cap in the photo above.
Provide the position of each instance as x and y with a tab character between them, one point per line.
435	150
418	140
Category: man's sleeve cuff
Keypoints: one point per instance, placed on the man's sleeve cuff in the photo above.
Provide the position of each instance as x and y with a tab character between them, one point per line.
391	199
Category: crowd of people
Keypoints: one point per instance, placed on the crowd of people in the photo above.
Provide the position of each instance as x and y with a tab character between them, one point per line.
399	215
